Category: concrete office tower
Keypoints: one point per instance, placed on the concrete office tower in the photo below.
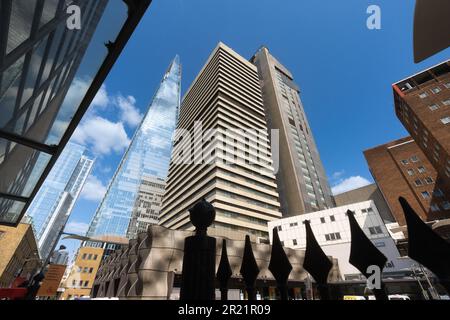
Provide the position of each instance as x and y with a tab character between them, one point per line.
53	204
148	155
400	168
39	58
236	174
147	205
301	178
422	103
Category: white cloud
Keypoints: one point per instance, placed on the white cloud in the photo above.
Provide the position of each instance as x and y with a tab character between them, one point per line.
101	135
338	174
93	189
129	112
76	227
350	183
102	98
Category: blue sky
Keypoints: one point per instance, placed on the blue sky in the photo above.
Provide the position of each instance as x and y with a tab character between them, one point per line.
345	72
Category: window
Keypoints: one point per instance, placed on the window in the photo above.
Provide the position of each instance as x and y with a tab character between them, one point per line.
74	282
414	158
445	205
429	180
418	183
85	270
369	210
84	256
279	228
91	270
410	172
423	95
425	194
90	256
375	230
86	283
327	237
294	242
434	207
447	85
433	107
338	236
404	162
421	169
436	90
445	120
332	218
446	102
322	220
438	193
293	224
95	256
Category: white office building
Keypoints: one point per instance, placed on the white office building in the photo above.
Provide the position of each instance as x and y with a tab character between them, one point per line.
332	231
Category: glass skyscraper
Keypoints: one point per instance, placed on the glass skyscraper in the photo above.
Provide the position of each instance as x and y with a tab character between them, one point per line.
148	155
50	209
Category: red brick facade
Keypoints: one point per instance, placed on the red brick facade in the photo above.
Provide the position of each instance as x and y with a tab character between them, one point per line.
400	168
422	103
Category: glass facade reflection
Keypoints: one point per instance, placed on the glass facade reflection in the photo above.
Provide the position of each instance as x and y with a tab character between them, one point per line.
48	76
148	155
52	205
37	70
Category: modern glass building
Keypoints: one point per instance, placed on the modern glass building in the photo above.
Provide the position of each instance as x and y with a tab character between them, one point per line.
50	209
49	74
148	155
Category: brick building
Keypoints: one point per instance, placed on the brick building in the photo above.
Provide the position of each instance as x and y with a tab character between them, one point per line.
18	253
400	168
422	103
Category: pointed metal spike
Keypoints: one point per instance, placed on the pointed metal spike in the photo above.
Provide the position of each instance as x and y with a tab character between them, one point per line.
249	269
363	254
224	271
279	265
316	262
426	246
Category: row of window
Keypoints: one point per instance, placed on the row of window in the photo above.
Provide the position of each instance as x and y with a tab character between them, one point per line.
412	159
434	90
435	106
333	236
337	235
323	219
420	182
445	205
85	270
89	256
81	283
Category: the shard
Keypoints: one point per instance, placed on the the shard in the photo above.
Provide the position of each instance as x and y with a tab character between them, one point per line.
148	155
